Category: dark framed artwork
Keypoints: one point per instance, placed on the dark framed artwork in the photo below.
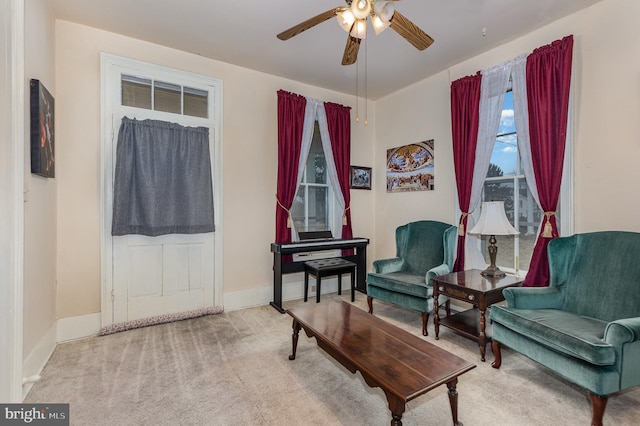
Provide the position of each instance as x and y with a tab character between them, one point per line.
360	177
410	167
42	130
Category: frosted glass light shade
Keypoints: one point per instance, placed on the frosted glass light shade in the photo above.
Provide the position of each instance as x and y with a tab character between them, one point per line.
359	29
346	19
360	9
384	10
378	24
493	220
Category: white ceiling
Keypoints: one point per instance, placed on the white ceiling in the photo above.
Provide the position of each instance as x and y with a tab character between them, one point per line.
243	32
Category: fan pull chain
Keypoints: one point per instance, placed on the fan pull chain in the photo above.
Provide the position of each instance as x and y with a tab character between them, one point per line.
357	92
366	81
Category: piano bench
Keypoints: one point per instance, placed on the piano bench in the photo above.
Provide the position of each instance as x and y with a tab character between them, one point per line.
329	267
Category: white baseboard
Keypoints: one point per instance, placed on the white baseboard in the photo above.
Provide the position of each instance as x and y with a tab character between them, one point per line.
236	300
79	327
37	359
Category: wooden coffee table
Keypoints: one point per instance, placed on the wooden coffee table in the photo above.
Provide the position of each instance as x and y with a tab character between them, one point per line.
403	365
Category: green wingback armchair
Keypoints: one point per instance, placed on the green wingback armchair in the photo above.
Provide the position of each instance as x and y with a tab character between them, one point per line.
585	326
424	249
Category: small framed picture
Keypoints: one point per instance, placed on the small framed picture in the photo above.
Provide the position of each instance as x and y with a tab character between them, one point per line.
360	177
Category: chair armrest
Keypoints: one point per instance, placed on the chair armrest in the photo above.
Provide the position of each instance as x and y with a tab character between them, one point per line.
383	266
621	331
533	297
434	272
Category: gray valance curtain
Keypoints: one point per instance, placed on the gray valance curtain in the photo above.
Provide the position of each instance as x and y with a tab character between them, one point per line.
162	182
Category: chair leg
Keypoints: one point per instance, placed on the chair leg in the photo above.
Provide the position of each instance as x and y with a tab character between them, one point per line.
353	286
425	319
370	303
339	284
598	405
306	285
318	288
497	355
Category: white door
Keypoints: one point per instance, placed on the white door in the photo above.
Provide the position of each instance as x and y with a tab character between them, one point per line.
152	276
161	275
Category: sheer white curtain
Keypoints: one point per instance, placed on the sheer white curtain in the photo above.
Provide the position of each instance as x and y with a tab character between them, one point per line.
332	172
314	111
307	139
521	115
492	91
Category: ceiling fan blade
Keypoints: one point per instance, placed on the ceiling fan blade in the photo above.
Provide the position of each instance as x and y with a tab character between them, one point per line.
410	31
351	51
309	23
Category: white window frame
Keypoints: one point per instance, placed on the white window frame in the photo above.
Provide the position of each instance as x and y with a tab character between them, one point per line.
331	207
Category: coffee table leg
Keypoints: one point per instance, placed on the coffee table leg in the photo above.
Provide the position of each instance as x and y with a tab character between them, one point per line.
396	419
294	339
397	407
453	401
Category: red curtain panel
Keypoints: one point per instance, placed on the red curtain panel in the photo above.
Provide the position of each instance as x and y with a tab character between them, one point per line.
548	83
339	125
465	115
291	109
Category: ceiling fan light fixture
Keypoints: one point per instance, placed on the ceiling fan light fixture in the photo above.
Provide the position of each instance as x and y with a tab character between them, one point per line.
378	24
360	8
384	10
346	19
359	29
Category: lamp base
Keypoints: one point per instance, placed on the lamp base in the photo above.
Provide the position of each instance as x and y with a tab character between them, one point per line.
493	272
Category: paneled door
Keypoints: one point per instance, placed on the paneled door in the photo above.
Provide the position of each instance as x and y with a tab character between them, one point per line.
161	275
167	274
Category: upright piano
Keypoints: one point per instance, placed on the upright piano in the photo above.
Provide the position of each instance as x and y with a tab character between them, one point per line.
280	267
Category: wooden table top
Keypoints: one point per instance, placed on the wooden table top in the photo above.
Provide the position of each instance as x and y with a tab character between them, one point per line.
473	280
397	361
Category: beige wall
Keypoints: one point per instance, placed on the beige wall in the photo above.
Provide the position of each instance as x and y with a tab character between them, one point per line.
40	208
249	161
415	114
606	124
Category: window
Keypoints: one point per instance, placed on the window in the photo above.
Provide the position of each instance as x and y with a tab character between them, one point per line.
506	182
313	206
162	96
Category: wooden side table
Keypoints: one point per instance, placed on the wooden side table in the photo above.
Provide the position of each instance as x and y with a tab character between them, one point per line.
471	287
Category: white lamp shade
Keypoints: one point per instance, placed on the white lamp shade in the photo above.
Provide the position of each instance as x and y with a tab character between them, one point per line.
346	19
493	220
360	8
384	10
359	29
378	24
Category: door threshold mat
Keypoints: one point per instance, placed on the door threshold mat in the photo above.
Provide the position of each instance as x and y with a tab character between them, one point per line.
161	319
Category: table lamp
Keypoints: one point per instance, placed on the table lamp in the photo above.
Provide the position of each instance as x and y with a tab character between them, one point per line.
493	221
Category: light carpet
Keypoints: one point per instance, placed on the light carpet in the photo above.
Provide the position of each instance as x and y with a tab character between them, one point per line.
233	369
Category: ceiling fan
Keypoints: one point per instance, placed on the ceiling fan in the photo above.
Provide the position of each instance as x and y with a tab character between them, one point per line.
353	19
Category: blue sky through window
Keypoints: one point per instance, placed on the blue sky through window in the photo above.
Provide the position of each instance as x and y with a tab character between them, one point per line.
505	150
